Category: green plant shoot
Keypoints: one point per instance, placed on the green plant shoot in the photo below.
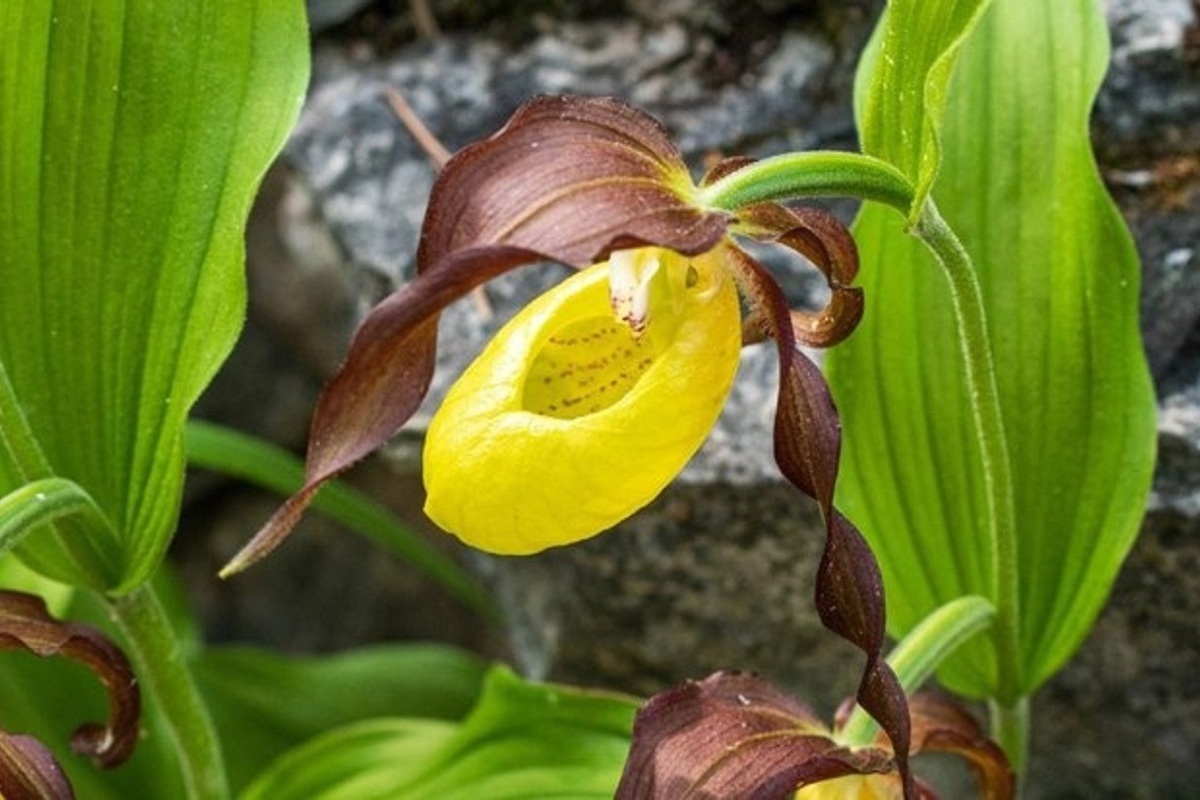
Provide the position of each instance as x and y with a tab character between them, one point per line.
1015	465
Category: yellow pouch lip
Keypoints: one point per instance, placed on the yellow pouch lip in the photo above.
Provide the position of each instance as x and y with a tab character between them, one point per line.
509	481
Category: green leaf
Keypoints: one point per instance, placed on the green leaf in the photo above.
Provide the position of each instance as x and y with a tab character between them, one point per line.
84	544
243	456
522	740
901	92
265	703
132	137
369	759
41	502
1059	277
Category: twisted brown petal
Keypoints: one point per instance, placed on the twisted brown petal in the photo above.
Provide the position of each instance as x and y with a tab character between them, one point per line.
849	594
807	428
942	726
823	240
25	624
733	735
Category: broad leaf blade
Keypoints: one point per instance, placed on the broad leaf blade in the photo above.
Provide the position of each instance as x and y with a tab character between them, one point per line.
521	740
1060	277
132	137
362	760
265	703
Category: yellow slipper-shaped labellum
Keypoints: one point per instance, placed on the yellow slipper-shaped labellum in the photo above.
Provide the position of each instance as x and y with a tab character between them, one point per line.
570	421
855	787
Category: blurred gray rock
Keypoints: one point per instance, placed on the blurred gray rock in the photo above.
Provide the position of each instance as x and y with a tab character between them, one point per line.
1154	79
371	178
324	14
1148	131
718	571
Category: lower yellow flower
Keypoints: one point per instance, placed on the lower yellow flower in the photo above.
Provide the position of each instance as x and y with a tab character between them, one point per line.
586	405
854	787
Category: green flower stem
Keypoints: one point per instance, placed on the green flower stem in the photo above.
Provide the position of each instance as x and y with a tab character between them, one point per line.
812	174
921	652
163	672
967	299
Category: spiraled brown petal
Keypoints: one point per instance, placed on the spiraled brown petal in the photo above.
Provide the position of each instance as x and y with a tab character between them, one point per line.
25	624
823	240
733	735
807	429
941	725
807	445
28	771
850	602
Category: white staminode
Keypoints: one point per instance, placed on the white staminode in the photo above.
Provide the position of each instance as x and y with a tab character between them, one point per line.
629	275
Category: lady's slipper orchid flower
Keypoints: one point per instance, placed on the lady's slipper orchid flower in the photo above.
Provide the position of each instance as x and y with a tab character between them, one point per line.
736	735
593	398
587	183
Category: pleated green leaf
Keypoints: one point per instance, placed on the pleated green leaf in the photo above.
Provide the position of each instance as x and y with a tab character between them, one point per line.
265	703
522	740
1017	181
132	138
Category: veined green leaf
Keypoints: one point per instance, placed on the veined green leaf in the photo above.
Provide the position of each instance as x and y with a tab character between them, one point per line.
266	703
901	93
1059	276
41	502
81	545
132	137
522	740
366	760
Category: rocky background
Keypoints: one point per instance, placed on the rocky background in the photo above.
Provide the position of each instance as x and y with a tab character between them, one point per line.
718	572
